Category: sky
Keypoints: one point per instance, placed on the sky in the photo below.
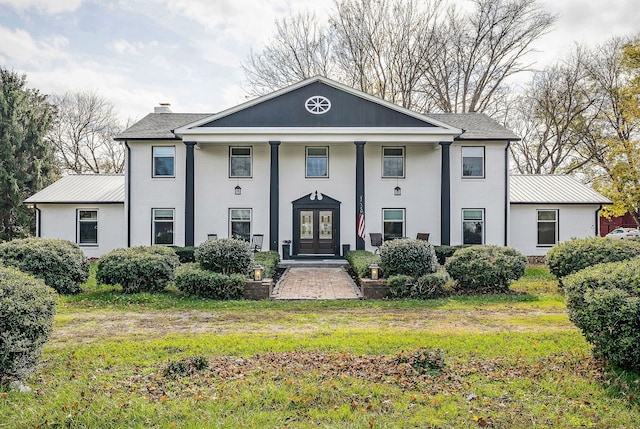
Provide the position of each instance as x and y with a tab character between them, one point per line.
139	53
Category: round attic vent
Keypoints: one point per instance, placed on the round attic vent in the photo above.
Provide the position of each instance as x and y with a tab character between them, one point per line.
317	105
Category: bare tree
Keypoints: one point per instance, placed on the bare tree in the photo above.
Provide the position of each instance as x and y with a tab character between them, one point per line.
83	134
418	54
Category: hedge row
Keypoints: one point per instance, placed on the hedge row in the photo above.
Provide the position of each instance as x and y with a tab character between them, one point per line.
268	260
192	279
429	286
360	260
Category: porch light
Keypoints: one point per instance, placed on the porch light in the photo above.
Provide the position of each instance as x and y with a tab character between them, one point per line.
397	190
238	190
257	272
374	269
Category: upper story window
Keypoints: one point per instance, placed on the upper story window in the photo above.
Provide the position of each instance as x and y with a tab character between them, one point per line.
472	226
547	227
163	227
317	162
240	224
240	160
473	161
393	162
393	223
87	228
164	161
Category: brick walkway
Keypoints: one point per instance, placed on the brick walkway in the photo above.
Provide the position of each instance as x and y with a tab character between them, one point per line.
316	283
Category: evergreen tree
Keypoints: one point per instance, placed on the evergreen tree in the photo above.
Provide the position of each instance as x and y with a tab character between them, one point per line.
27	162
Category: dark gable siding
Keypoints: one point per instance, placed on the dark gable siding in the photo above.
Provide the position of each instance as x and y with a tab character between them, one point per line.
347	110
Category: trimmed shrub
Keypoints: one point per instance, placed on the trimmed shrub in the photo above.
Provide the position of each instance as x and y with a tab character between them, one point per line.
443	252
185	254
27	307
486	269
604	303
572	256
360	261
225	256
400	285
191	279
268	260
138	269
60	263
411	257
429	286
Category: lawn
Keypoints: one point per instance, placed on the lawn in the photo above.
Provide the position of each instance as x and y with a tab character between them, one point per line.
169	361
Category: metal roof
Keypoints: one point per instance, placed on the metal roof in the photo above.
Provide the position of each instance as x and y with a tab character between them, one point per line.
83	188
159	126
551	189
475	126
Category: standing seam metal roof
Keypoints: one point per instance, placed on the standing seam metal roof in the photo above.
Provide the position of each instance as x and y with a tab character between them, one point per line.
551	189
83	188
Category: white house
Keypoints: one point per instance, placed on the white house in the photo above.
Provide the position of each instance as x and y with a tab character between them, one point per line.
322	166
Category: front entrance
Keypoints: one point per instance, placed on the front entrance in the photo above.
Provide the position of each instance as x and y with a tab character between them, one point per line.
316	220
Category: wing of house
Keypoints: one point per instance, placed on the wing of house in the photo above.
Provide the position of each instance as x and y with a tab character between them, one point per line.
549	209
317	164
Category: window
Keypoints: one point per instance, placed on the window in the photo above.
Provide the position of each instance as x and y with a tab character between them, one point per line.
164	161
317	162
392	162
240	224
393	223
473	226
163	226
473	161
87	227
239	162
547	227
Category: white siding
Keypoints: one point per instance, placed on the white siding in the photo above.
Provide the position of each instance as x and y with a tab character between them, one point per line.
59	221
574	221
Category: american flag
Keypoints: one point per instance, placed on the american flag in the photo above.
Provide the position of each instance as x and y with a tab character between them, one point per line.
361	233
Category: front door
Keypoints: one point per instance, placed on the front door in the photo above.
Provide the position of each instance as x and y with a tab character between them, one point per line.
316	232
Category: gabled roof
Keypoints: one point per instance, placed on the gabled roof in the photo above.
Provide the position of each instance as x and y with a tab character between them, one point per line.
551	189
159	126
83	188
476	126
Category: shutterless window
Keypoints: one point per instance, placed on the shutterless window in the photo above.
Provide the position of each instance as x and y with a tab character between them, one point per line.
547	227
87	227
317	162
163	226
393	223
472	161
240	162
164	161
473	226
392	162
240	224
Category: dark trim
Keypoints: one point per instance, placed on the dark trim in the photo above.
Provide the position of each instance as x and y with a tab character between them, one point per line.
127	196
274	196
506	194
360	201
486	139
445	195
128	139
38	220
597	224
189	197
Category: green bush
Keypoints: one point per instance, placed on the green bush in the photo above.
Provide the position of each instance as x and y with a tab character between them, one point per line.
414	258
443	252
185	254
191	279
268	260
360	260
27	307
60	263
400	285
225	256
486	269
429	286
604	303
138	269
572	256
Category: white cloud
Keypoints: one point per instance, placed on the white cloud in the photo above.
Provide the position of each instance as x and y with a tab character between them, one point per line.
122	46
19	47
45	6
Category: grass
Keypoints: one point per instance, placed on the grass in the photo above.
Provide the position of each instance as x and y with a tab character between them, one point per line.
511	361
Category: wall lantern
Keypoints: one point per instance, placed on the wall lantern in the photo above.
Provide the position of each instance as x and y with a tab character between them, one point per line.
238	190
257	272
374	269
397	190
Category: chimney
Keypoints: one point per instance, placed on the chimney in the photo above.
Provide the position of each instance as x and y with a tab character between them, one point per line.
162	108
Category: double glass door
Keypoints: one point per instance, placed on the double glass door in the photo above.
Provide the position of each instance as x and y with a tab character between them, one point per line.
316	231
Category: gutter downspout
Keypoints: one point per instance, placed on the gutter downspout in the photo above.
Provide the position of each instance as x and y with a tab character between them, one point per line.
128	193
597	224
507	203
38	220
